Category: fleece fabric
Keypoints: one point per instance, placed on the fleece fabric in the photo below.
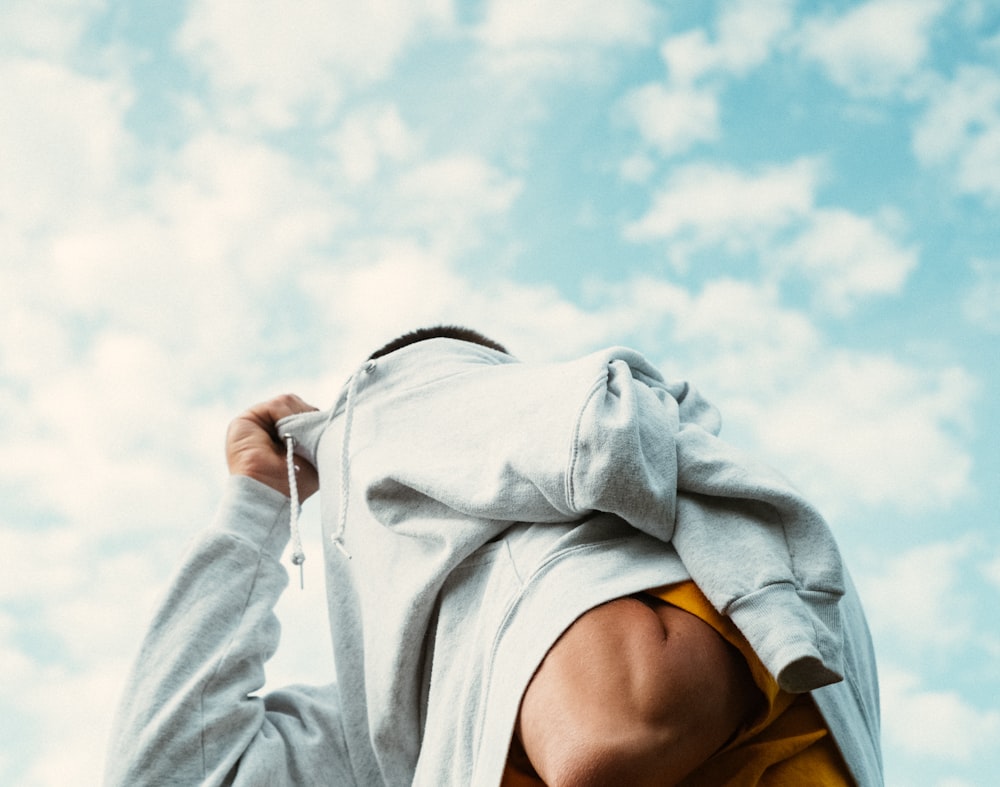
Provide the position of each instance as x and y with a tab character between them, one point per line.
473	506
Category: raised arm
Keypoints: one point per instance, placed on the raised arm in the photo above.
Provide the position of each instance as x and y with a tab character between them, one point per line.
188	713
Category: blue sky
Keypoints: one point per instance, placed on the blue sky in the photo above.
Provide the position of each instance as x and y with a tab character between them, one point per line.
792	205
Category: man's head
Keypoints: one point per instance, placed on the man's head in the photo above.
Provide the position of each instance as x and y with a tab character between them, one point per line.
438	332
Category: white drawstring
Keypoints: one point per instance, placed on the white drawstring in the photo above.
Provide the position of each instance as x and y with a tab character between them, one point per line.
298	556
337	537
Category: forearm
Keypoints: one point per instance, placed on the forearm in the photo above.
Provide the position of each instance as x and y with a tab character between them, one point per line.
186	716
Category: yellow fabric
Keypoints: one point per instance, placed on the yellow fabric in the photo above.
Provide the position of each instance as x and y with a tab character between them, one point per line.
514	777
786	745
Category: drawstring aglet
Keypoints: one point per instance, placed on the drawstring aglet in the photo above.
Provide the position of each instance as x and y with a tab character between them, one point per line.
339	543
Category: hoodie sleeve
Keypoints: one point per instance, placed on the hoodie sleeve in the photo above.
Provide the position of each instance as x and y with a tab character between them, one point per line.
623	458
764	556
649	452
188	713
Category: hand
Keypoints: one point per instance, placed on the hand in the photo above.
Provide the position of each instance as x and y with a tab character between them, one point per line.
255	449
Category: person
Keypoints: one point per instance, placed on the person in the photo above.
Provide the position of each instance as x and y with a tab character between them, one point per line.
536	573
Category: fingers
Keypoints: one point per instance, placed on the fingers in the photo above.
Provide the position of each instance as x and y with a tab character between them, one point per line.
267	414
255	449
286	405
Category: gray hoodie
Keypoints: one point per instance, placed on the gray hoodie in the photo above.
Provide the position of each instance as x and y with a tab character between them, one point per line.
473	507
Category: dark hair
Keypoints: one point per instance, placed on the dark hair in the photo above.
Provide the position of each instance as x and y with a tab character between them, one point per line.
438	332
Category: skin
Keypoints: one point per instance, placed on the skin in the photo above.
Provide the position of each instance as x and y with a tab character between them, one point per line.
634	692
254	448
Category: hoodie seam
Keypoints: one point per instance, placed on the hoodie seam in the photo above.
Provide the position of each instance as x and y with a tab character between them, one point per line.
210	681
542	569
853	682
800	583
513	563
735	601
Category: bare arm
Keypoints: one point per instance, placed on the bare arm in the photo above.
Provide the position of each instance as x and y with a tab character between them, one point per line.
635	692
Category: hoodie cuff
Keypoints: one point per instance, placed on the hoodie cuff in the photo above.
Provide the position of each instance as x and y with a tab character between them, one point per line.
254	512
800	644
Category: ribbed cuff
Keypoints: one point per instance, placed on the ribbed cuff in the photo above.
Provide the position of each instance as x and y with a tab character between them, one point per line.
796	634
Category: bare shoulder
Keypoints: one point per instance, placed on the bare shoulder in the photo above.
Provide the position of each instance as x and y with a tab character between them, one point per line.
636	691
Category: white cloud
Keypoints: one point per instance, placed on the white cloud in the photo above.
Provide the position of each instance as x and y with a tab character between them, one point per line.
128	312
960	130
981	305
392	288
72	733
526	44
447	203
638	168
120	337
88	605
957	108
848	257
65	148
934	724
530	24
747	33
866	429
190	257
851	428
772	214
992	571
386	288
45	28
369	138
248	208
732	339
46	564
874	47
702	205
34	343
672	119
109	445
674	115
915	596
450	196
752	340
270	66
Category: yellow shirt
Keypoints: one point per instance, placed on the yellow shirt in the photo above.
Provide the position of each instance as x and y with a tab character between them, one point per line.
786	745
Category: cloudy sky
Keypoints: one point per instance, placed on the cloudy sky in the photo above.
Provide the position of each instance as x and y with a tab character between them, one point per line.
795	206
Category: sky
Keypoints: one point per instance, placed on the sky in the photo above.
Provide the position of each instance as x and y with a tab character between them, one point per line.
795	206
